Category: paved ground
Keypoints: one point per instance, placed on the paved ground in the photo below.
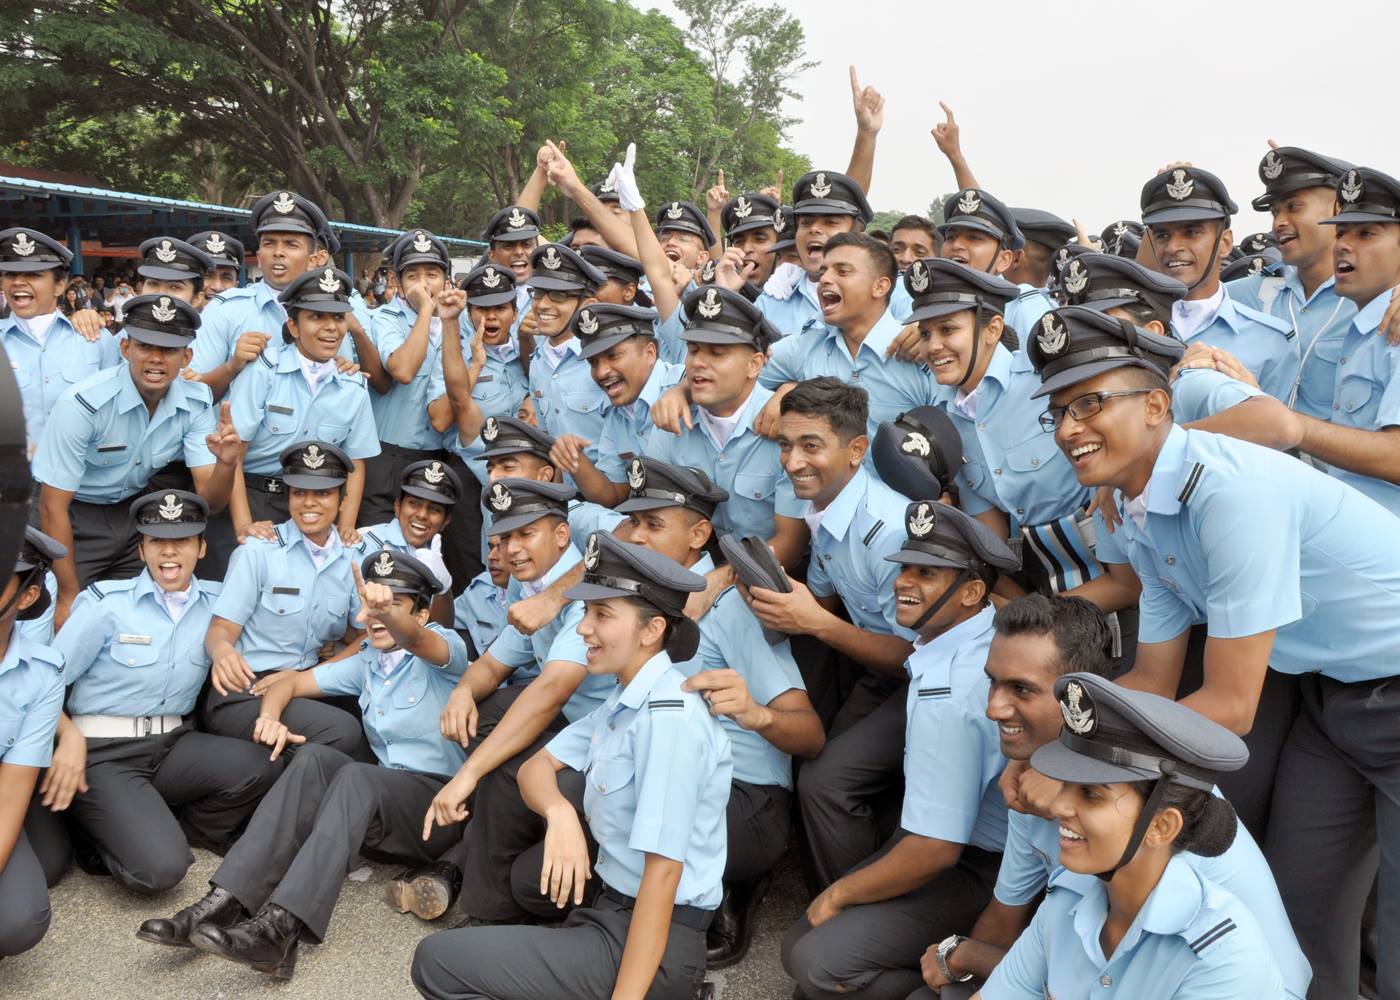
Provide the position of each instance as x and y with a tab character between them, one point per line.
91	953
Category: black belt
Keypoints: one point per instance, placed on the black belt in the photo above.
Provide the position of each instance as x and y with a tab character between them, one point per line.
267	484
686	916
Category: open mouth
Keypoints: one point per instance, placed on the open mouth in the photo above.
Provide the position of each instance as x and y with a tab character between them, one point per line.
804	480
21	300
518	567
815	248
1010	732
521	267
168	572
943	362
310	518
908	600
958	257
153	374
1345	267
376	630
613	385
1178	265
419	528
1285	238
1082	454
1068	838
830	300
591	650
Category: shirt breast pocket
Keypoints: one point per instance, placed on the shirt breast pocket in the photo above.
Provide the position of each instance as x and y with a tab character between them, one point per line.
279	421
757	486
24	374
1032	454
611	776
80	367
582	401
410	702
1357	393
103	454
332	433
283	616
134	654
331	623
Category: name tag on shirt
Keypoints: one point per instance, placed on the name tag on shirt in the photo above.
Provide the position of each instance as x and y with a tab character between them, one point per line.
289	591
284	410
133	640
111	447
485	378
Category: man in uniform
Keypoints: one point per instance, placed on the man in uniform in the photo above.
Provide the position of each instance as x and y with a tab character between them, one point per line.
167	266
511	236
227	254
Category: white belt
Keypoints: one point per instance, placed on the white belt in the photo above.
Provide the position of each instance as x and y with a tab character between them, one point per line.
107	727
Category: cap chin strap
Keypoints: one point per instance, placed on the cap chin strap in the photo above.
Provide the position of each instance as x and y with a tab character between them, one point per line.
958	581
976	340
1149	810
1210	265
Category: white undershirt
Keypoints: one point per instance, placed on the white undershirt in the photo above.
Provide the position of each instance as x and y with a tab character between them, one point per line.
554	356
176	601
720	429
1136	508
37	327
315	372
1188	317
321	553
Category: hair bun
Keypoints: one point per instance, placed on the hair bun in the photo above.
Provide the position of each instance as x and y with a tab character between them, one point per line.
1212	829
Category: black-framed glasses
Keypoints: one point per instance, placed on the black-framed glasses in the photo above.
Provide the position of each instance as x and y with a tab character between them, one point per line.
1082	407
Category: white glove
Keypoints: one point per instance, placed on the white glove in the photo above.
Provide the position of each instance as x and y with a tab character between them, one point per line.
624	178
431	557
784	280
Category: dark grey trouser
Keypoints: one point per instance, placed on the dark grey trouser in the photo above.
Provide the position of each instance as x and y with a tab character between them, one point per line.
234	715
1337	821
578	961
872	952
104	542
24	900
307	831
839	790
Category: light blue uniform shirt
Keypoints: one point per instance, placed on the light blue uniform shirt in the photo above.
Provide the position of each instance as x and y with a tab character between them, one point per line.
952	751
901	302
401	414
567	400
657	772
1320	322
46	372
791	313
1032	858
273	409
101	442
1024	311
400	709
1263	344
858	529
499	390
1010	463
288	608
125	654
1263	541
1192	940
626	428
893	386
31	697
481	611
237	311
559	640
670	345
748	466
388	535
1199	393
731	637
1367	392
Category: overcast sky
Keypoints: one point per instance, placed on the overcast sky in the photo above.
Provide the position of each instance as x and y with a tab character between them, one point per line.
1072	106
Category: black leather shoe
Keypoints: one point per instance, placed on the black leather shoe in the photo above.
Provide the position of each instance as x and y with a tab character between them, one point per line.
731	932
427	892
216	907
266	943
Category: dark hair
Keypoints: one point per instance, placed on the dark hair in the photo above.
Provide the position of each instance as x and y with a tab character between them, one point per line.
1039	258
1081	637
1146	378
916	222
883	235
1208	825
845	407
1142	313
879	253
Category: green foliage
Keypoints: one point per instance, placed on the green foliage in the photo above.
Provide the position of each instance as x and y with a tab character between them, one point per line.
392	112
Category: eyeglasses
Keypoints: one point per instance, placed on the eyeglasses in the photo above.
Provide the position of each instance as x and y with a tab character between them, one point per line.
553	295
1082	407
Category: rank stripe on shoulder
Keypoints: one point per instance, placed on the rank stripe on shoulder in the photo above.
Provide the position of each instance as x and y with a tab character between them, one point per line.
942	692
1193	479
85	404
1213	935
666	703
262	356
93	589
872	532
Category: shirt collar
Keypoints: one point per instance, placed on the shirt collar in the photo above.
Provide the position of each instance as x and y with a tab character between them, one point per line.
147	586
656	382
998	370
840	512
385	661
1191	316
294	536
881	335
939	650
568	559
1164	485
1368	318
640	686
554	356
703	565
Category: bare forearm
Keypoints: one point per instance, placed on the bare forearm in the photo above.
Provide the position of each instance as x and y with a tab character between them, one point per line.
795	731
1157	666
219	379
55	522
862	166
215	483
885	653
1113	590
354	491
910	864
527	717
16	787
614	230
656	264
539	784
649	929
1262	420
404	363
1369	453
367	355
597	487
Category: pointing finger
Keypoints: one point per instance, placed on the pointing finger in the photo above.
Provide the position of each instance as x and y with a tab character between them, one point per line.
947	111
855	80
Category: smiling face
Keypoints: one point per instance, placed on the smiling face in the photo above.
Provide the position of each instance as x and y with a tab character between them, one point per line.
1096	822
918	588
314	511
850	286
683	248
32	293
317	335
946	346
623	369
976	249
616	636
284	257
1367	259
378	636
1021	698
553	310
1301	240
171	561
812	232
514	254
816	460
1187	251
531	552
677	533
420	519
1112	447
153	368
519	465
721	376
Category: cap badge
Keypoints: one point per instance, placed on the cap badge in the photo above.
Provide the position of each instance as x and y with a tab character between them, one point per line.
1078	709
329	283
1272	166
591	553
1257	265
922	521
24	246
1062	256
918	276
709	307
1053	336
384	565
284	203
1179	188
915	443
313	458
608	186
551	259
1351	186
707	272
969	203
587	323
1076	278
434	474
819	187
165	253
636	474
421	243
171	508
1120	229
490	430
215	244
1256	244
501	499
743	208
163	311
490	278
516	219
674	212
779	223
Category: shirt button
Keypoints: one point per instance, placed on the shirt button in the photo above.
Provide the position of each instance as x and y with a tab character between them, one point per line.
1335	406
131	663
1020	512
411	699
381	711
1171	560
1342	359
1035	462
996	472
1106	981
981	427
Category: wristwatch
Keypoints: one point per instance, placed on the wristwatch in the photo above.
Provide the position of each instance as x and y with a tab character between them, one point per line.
945	948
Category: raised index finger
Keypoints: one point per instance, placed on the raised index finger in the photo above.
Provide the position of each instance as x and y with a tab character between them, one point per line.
855	80
947	111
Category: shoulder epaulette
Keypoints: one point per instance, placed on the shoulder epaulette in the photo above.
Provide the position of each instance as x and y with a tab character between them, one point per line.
262	356
872	532
1193	479
666	704
1220	930
84	403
